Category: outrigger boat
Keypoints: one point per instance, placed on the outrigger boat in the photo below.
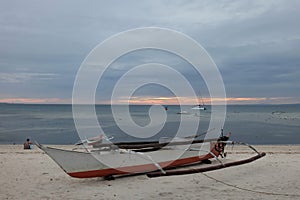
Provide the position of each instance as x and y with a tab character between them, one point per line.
151	158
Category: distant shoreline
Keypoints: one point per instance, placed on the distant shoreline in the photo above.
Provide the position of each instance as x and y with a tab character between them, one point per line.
68	104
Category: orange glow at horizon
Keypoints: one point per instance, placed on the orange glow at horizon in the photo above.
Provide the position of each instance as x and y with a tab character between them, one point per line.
162	100
207	101
34	100
190	101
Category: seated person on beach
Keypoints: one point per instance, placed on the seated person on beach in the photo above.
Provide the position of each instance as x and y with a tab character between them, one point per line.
27	144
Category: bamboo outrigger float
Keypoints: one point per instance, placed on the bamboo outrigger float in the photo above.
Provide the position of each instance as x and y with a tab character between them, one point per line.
151	158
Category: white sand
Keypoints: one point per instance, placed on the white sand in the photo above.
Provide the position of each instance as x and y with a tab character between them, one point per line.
30	174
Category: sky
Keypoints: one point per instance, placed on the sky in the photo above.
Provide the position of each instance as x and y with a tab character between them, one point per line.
255	44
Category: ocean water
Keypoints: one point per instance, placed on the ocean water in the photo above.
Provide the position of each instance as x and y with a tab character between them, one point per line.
54	124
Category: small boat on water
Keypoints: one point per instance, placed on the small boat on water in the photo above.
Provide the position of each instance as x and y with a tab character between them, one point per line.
199	107
183	113
108	159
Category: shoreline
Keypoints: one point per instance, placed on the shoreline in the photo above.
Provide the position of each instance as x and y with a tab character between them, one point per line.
31	174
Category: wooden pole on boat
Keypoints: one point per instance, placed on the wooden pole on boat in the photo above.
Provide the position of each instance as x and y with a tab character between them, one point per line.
142	145
205	169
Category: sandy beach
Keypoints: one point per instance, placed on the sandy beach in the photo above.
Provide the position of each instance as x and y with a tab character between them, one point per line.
31	174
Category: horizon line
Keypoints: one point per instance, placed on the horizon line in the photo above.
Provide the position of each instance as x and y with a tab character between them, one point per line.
161	101
106	104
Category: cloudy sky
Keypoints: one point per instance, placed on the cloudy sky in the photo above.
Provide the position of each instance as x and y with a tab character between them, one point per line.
255	44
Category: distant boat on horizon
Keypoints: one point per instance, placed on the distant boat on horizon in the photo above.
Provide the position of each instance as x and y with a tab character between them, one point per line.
199	107
183	113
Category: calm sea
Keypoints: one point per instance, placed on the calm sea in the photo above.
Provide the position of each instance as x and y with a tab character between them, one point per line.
53	124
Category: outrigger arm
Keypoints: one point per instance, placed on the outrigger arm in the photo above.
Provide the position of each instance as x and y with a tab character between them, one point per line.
211	168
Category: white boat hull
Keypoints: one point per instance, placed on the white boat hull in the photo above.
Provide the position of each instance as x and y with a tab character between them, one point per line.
117	162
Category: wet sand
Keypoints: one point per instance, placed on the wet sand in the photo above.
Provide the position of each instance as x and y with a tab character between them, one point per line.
31	174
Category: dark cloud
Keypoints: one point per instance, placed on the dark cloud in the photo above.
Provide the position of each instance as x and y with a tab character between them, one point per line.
255	44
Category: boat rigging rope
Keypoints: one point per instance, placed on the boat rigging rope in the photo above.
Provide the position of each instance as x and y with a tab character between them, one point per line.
249	190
